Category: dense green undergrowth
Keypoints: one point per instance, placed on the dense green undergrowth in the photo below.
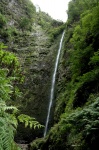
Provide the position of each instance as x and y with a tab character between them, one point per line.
76	119
77	91
10	76
23	77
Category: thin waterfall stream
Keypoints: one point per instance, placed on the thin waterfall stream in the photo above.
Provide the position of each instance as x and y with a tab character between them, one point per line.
53	85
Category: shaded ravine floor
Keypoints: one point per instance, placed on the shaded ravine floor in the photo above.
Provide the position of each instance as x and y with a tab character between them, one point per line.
24	146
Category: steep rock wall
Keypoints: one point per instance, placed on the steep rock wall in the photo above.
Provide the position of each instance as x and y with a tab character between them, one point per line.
38	58
27	34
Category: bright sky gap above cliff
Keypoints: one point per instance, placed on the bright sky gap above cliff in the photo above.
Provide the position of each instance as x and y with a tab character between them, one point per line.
55	8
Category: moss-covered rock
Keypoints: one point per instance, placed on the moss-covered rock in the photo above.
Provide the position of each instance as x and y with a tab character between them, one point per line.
38	62
28	35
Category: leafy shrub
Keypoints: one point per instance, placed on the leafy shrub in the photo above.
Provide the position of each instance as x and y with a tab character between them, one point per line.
9	74
25	24
3	21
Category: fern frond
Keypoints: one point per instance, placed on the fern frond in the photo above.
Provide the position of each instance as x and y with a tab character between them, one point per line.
29	121
6	134
9	108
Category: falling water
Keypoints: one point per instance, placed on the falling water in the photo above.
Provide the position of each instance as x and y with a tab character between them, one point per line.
53	84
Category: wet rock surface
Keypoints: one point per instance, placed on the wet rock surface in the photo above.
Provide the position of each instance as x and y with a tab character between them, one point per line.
36	52
37	57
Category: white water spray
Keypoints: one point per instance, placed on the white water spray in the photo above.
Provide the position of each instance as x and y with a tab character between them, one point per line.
53	85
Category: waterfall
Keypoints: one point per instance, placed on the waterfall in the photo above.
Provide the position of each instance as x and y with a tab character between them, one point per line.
53	85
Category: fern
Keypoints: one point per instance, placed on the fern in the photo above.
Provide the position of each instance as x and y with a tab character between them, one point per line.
8	118
29	121
8	124
6	134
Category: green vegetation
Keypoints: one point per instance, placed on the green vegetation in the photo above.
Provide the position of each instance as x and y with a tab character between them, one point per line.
29	35
34	38
52	27
2	21
77	103
25	24
10	75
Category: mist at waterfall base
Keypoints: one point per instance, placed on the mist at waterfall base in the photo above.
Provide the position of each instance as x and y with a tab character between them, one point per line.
53	86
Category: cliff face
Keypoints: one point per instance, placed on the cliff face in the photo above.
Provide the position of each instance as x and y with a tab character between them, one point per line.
29	35
34	38
38	61
77	88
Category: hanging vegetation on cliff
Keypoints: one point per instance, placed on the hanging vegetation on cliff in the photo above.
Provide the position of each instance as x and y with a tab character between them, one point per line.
76	114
